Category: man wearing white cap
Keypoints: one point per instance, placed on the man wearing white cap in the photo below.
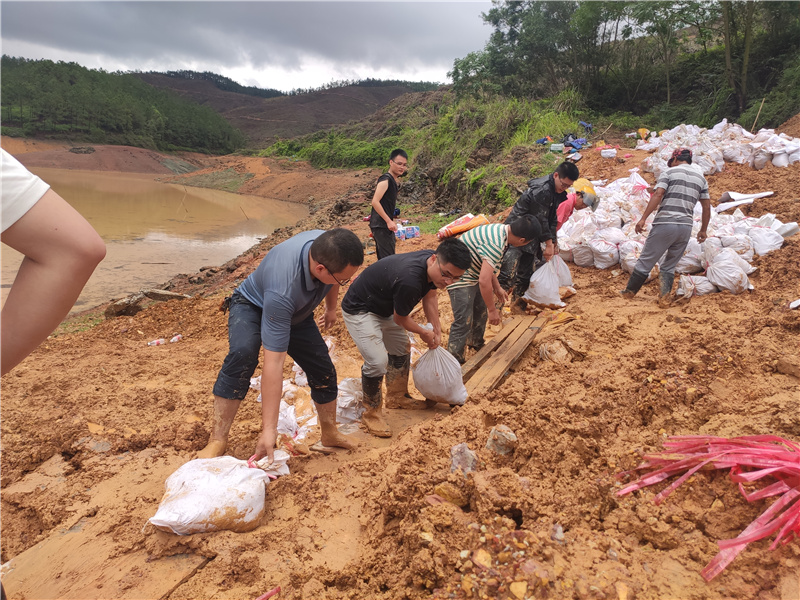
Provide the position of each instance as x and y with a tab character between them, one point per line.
581	195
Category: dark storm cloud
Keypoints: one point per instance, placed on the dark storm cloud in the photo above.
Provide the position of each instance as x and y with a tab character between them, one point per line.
399	35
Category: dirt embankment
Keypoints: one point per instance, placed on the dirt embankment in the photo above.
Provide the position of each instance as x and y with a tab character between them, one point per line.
93	422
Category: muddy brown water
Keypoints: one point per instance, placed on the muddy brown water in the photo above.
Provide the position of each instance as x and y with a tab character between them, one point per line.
155	230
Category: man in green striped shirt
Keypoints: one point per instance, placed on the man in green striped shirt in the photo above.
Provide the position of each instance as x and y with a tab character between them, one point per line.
472	295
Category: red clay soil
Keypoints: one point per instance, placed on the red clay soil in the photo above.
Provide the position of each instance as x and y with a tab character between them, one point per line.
93	422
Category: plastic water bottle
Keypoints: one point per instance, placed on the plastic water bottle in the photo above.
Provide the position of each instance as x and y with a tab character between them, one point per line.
158	342
176	338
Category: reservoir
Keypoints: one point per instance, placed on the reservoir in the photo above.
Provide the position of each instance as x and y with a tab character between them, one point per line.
155	230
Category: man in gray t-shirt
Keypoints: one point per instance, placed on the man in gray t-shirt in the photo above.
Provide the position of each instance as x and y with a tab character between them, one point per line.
273	309
677	191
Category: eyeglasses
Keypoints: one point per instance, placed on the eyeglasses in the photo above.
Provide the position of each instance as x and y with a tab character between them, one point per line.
447	276
400	164
345	282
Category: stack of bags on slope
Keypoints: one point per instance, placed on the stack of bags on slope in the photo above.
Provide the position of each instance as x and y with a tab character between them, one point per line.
607	237
725	141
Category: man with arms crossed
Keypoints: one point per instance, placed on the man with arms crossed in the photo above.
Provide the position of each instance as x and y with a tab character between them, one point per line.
376	310
384	201
274	309
471	295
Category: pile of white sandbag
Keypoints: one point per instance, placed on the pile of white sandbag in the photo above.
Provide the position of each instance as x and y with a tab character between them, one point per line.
711	148
607	237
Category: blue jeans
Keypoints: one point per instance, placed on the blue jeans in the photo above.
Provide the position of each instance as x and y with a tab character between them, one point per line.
306	347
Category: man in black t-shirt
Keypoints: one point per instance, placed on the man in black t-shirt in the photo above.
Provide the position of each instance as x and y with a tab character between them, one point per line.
376	310
384	202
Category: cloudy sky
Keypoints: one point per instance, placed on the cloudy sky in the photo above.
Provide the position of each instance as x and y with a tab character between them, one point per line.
268	44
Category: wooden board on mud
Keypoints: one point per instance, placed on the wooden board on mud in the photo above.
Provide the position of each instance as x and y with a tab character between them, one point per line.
81	557
487	368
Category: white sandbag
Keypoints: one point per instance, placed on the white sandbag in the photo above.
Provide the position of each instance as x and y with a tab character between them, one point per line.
695	285
736	153
349	402
543	287
605	253
780	159
629	253
788	229
614	235
212	494
582	255
725	273
565	252
692	259
562	270
739	243
582	228
605	219
760	159
765	240
794	157
437	376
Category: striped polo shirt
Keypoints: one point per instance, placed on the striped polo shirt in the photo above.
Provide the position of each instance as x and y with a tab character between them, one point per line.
485	242
684	185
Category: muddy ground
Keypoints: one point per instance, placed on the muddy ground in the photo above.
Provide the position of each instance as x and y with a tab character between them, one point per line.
94	421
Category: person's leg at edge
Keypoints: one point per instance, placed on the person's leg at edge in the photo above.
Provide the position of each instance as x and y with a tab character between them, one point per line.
655	245
666	276
61	252
508	268
480	316
365	329
385	242
523	278
309	351
398	347
462	321
233	381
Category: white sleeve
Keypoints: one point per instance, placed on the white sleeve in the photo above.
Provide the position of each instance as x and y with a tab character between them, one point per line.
20	189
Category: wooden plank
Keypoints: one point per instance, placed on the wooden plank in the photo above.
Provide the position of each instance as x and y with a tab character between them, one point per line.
521	326
493	371
472	365
92	555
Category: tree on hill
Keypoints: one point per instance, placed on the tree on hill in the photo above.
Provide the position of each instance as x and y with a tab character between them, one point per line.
68	100
634	55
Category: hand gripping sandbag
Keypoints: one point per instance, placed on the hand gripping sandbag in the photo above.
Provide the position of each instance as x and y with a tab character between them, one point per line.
212	494
437	375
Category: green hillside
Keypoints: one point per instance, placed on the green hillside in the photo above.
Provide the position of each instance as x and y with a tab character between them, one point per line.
550	65
66	100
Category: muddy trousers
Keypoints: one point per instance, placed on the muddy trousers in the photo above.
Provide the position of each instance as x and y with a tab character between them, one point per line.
469	320
517	268
376	338
306	347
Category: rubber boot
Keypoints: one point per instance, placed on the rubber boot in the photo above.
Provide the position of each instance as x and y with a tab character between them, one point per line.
665	294
397	395
666	280
373	418
224	413
331	436
635	283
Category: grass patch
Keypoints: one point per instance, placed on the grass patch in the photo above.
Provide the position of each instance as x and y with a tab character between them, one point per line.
433	223
228	180
82	322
